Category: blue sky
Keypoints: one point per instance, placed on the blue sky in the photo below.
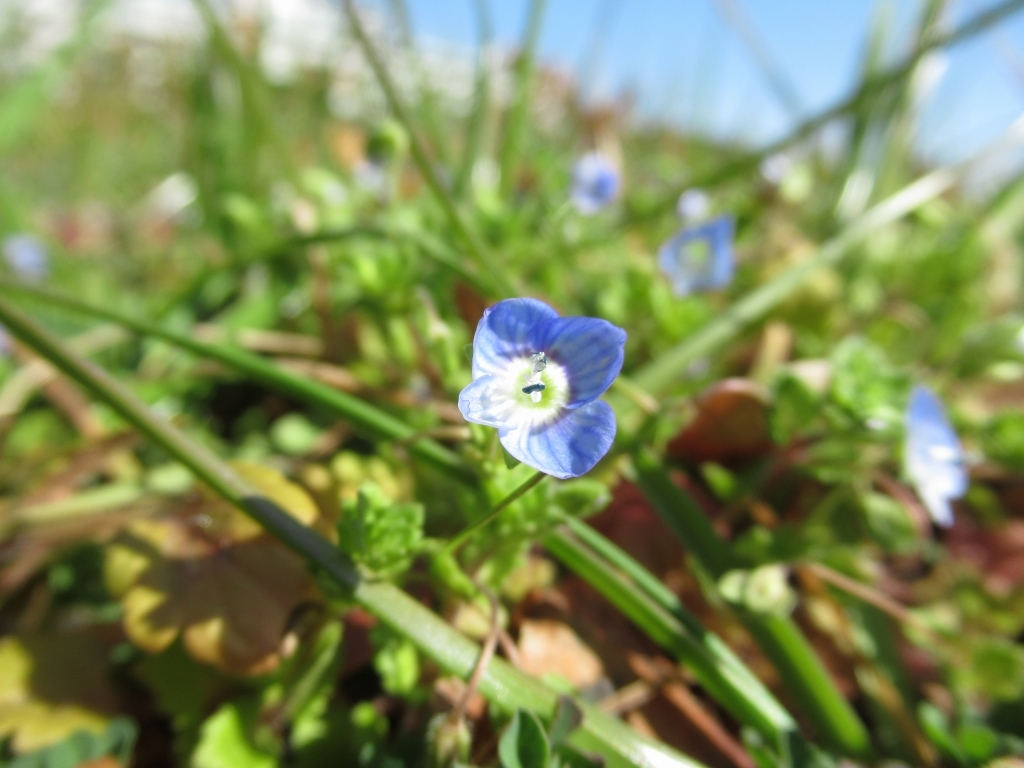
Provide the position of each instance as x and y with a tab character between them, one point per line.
687	64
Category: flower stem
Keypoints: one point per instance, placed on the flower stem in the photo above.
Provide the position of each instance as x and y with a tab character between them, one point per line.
463	537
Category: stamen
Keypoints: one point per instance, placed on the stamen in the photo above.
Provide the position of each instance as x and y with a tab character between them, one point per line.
534	386
540	362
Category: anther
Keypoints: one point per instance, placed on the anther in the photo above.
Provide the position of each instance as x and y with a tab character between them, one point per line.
540	362
534	390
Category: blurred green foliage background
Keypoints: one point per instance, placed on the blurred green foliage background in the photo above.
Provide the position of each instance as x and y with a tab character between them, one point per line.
287	274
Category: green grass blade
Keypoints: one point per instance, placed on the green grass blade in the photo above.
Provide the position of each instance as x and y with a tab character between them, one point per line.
516	121
660	374
781	86
476	128
503	685
474	246
373	421
831	715
861	94
726	678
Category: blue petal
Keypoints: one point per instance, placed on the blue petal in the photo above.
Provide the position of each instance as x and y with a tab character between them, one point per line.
933	455
567	447
688	268
595	183
486	401
589	349
503	333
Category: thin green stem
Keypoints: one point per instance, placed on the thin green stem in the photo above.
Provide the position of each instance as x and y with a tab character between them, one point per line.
461	538
503	685
474	246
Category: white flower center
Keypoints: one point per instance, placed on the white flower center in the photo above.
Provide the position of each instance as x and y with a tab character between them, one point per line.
539	387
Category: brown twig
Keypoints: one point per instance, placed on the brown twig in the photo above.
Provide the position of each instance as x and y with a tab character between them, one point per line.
486	654
665	677
868	594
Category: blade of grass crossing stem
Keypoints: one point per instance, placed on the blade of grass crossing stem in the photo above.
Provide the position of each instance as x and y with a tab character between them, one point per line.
782	642
474	246
628	596
503	685
865	91
517	117
715	667
365	417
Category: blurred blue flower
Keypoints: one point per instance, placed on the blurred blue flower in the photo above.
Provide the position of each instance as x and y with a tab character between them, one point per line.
699	258
693	205
595	183
537	377
933	457
26	256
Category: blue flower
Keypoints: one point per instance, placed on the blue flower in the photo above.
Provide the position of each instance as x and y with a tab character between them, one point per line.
595	183
699	258
537	377
26	256
933	457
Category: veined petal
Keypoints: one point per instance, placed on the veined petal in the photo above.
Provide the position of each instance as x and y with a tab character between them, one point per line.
488	400
568	446
589	349
503	333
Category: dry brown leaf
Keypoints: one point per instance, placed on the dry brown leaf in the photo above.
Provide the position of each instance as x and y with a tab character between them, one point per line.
52	686
217	579
552	648
731	425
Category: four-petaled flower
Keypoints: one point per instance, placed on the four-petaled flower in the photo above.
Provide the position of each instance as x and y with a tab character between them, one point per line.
537	377
595	183
933	456
699	258
26	256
